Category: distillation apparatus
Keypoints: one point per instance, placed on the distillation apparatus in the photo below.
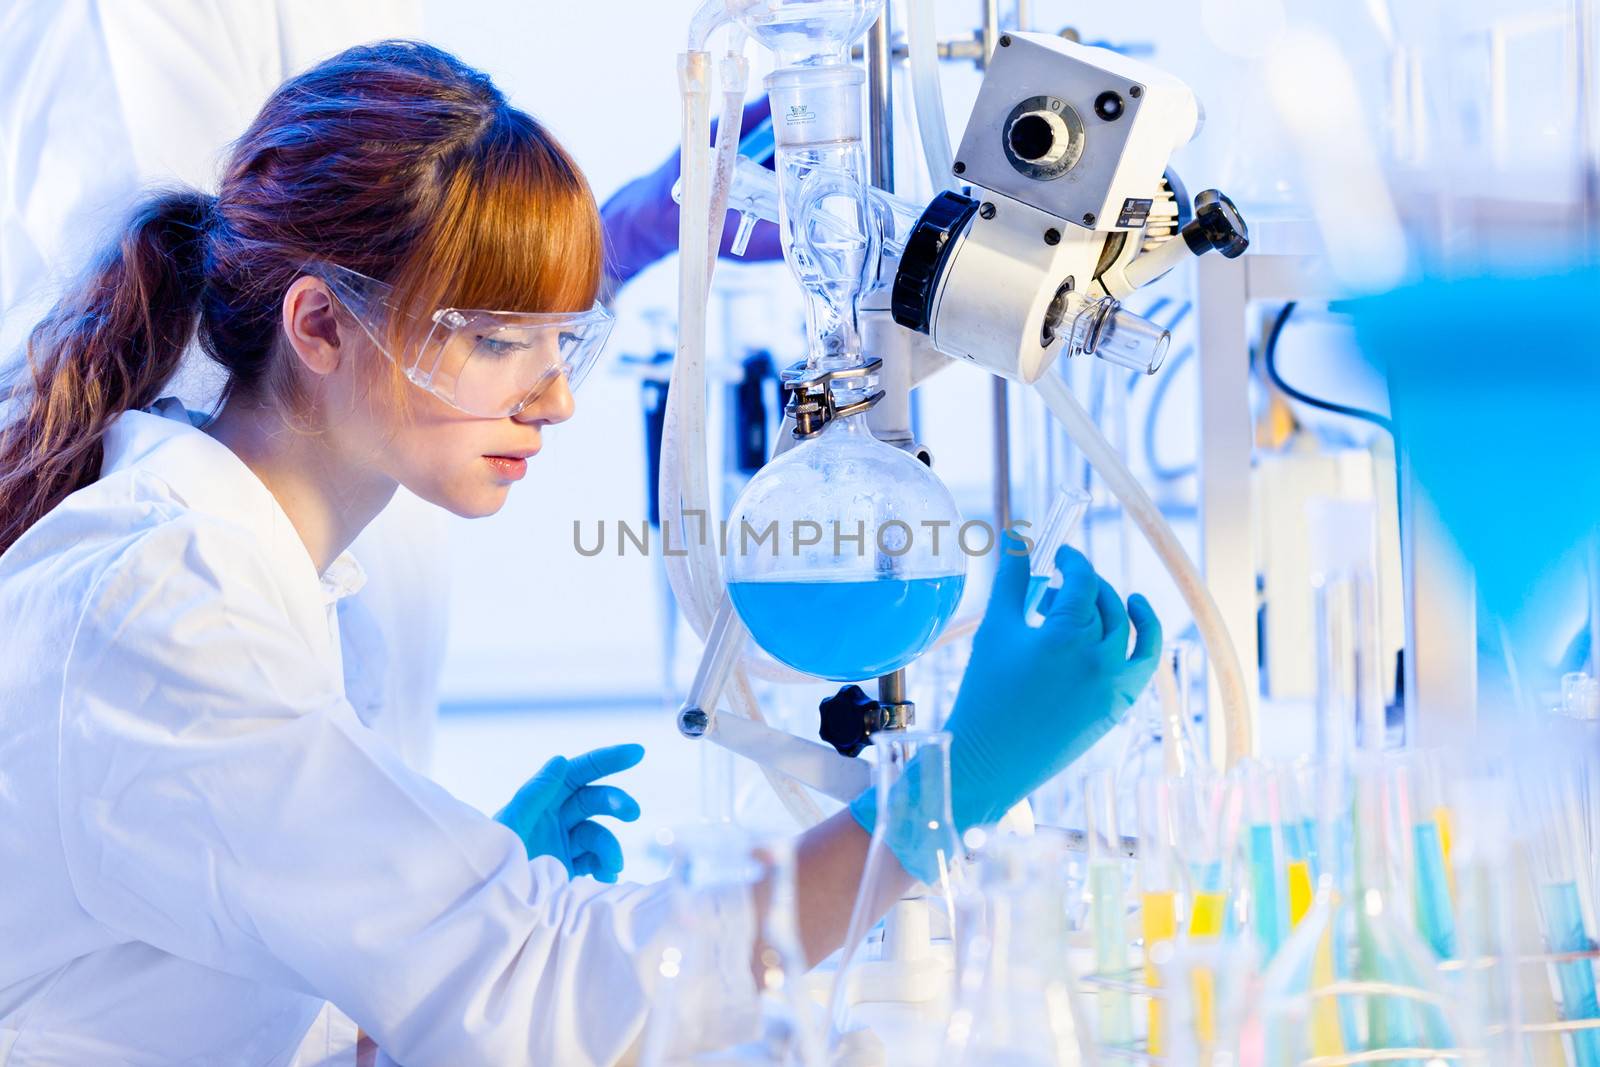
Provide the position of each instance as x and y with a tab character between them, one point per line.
1055	205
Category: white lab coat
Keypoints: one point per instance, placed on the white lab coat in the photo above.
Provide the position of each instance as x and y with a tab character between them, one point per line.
99	98
201	841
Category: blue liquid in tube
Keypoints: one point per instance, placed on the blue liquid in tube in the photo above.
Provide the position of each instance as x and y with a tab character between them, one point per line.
1267	872
847	631
1436	919
1564	932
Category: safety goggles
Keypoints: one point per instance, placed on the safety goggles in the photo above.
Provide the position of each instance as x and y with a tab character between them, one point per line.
487	363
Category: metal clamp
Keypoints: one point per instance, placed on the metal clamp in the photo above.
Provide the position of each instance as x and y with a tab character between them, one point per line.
891	717
809	398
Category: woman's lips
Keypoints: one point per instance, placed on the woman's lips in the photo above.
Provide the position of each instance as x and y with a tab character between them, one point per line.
511	468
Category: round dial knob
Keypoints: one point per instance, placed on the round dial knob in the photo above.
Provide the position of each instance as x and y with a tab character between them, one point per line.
1040	136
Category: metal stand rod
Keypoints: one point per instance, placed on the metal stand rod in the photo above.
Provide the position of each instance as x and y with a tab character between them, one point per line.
1002	405
1002	455
1583	26
880	102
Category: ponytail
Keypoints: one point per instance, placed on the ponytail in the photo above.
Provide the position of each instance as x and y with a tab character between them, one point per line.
107	347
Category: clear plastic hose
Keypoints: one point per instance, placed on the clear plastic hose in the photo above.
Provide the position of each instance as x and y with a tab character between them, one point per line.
735	74
1208	619
683	431
922	43
694	575
708	18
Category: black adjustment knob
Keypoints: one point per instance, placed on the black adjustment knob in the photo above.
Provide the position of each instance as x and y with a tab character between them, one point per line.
844	719
922	263
1217	226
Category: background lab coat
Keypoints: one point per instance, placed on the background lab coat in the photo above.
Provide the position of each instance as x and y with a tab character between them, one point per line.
101	99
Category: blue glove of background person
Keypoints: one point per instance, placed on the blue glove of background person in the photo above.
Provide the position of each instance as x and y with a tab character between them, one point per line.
554	811
641	218
1032	699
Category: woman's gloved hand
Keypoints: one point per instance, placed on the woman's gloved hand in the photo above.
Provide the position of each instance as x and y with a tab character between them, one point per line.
554	811
1033	699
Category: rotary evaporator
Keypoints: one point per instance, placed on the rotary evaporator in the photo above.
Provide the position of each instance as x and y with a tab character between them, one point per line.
1056	204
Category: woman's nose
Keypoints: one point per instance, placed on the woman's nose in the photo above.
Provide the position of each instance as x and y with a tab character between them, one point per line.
553	405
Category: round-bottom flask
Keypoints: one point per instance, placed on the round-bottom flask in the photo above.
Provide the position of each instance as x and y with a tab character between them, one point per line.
845	555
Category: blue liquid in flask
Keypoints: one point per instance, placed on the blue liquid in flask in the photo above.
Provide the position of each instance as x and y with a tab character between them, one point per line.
850	630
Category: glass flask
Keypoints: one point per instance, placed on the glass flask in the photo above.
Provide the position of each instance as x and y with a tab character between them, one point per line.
1017	999
845	558
1352	984
1207	987
705	995
892	986
710	1006
806	31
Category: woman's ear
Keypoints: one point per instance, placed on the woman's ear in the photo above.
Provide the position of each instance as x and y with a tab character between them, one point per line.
311	326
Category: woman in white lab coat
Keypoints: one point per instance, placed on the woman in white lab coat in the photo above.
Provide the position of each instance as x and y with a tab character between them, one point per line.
200	841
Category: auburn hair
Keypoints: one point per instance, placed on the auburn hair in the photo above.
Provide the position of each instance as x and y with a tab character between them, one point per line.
395	159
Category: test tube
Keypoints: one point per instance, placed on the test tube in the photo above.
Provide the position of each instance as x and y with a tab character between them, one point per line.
1265	855
1206	820
1159	883
1182	752
1108	907
1561	867
1300	838
1420	802
1066	510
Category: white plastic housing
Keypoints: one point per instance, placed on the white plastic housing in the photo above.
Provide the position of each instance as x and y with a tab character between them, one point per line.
1116	176
995	295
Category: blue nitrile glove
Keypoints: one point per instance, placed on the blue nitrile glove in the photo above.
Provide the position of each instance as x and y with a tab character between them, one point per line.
1033	700
641	218
553	813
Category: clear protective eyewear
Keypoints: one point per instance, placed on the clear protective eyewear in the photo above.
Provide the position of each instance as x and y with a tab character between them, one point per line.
487	363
